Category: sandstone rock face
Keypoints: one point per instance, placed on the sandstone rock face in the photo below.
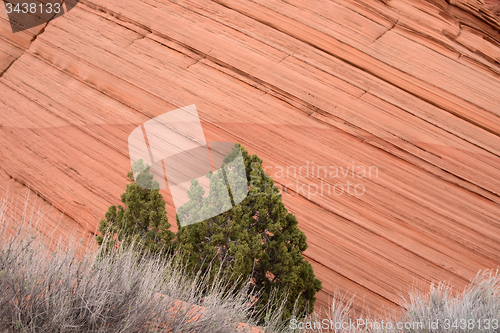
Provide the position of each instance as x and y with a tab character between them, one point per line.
493	6
406	90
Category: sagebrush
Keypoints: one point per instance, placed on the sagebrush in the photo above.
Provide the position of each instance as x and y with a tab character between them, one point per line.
68	291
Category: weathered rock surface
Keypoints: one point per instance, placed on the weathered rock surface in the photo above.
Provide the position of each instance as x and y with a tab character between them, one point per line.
493	6
410	88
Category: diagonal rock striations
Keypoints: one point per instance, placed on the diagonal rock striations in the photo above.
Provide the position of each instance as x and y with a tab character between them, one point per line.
410	88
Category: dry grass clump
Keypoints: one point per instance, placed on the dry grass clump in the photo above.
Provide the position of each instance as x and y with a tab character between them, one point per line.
44	290
477	309
70	290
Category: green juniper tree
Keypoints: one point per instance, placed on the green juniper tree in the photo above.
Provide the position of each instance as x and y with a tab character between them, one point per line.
143	221
257	237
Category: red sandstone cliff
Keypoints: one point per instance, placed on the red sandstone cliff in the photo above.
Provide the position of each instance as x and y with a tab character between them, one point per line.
493	6
411	87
